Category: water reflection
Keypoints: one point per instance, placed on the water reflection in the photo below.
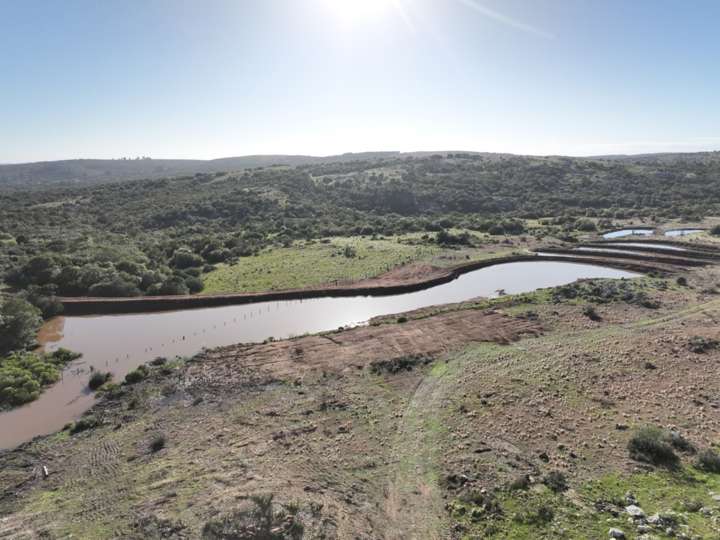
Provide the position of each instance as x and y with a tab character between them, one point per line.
628	232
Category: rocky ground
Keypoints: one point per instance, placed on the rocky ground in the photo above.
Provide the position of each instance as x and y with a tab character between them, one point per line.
494	419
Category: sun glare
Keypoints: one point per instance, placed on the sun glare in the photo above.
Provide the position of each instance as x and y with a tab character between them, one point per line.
358	10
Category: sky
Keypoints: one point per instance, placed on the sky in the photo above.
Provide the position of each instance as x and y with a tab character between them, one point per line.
214	78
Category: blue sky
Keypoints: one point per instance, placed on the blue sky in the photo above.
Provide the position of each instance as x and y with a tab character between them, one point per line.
214	78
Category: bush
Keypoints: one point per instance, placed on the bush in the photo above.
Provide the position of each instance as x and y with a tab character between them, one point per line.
157	444
136	375
699	344
590	313
680	443
19	323
64	356
715	231
400	363
709	461
112	390
85	423
17	386
23	375
521	483
650	445
97	379
555	481
194	285
586	225
184	258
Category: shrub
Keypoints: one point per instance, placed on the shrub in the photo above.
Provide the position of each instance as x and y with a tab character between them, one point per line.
680	443
63	356
17	386
157	443
184	258
555	481
709	461
586	225
715	231
136	375
650	445
85	423
194	285
682	281
590	313
400	363
699	344
446	238
261	519
112	390
97	379
19	322
24	374
520	483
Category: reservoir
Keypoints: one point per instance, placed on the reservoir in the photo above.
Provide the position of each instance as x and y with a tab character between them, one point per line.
120	343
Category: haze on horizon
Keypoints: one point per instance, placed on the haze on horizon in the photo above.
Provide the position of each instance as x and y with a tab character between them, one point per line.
210	79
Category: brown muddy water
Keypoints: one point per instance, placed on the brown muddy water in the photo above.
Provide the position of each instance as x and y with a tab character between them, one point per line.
120	343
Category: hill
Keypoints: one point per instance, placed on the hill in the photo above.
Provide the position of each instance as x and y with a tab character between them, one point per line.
100	171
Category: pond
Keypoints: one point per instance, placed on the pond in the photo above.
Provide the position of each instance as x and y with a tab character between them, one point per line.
120	343
629	232
683	232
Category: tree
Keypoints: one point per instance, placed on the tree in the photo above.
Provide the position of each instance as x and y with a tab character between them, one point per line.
19	322
184	258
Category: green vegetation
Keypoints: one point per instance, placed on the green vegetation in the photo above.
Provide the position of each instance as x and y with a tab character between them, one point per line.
653	445
165	235
540	512
137	375
98	378
709	461
19	322
603	291
400	363
316	262
23	375
86	422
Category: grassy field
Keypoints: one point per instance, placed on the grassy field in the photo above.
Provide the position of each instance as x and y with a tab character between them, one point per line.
336	260
307	264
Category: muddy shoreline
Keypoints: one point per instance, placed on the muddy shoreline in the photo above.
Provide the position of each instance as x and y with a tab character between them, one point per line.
144	304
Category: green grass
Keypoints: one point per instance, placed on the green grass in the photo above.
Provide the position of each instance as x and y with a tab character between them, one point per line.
308	264
575	515
311	263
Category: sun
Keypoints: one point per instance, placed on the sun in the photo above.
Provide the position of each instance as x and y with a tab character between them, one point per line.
359	10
